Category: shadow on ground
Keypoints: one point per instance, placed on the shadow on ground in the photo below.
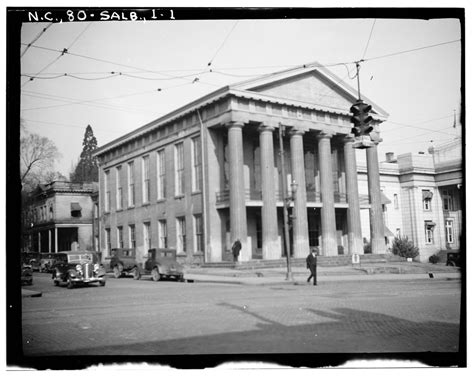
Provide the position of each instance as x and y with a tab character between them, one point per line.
334	337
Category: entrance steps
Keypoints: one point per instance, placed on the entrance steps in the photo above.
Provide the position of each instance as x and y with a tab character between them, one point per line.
301	262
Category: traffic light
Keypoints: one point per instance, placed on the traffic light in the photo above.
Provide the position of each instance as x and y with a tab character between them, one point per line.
361	118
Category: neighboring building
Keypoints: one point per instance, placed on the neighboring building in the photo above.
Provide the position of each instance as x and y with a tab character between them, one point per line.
209	173
58	217
432	186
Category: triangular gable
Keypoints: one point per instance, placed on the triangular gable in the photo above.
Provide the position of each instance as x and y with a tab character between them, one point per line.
315	85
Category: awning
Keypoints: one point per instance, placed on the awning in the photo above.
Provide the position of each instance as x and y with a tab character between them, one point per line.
385	199
387	232
427	195
75	206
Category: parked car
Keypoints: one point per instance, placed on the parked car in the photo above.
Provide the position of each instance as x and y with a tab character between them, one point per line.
46	262
32	259
123	262
78	268
161	263
453	259
26	272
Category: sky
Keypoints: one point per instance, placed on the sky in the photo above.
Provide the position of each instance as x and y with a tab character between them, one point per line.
118	76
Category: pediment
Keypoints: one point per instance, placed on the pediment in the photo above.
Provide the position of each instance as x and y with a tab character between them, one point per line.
316	86
309	88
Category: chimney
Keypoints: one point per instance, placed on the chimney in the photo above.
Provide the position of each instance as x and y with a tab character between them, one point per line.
389	157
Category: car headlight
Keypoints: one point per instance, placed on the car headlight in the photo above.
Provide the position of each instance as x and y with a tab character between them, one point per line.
96	268
78	268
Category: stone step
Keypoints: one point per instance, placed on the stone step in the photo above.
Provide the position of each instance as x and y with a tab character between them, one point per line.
322	261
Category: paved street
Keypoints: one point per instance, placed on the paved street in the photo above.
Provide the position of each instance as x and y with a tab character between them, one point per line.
128	317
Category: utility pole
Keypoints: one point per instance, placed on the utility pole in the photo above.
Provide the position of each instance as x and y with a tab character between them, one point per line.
289	275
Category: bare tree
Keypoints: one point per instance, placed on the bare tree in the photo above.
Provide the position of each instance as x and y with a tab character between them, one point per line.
37	157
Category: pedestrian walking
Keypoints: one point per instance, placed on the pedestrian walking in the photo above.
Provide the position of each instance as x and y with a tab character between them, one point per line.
236	247
311	264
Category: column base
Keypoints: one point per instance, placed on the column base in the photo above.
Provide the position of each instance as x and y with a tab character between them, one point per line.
271	250
329	247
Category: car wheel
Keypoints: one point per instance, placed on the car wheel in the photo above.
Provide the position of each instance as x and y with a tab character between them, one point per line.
101	283
117	272
56	282
155	275
70	283
451	263
136	274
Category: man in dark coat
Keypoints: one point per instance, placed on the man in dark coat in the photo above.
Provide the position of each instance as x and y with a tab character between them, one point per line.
311	264
236	247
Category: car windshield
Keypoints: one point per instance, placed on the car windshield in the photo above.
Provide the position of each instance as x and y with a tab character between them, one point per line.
80	258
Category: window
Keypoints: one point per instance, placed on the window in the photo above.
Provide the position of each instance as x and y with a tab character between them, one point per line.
395	201
146	178
197	166
427	196
51	211
449	231
118	184
131	236
161	173
131	184
198	232
76	210
179	169
108	245
120	237
181	234
146	235
107	191
162	234
447	199
429	227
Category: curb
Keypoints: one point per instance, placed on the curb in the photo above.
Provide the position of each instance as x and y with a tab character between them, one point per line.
30	293
325	279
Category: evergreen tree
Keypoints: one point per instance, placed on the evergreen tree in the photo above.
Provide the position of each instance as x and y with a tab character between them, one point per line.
86	170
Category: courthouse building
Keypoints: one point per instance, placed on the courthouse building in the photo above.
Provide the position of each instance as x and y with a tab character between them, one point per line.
210	173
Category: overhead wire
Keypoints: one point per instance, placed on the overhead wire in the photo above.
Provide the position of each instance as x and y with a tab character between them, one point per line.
368	41
62	53
222	44
35	39
219	71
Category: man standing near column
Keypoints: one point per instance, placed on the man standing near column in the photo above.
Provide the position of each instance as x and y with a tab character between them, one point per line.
311	264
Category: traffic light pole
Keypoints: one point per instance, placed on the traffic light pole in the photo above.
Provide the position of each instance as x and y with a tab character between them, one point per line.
289	275
358	83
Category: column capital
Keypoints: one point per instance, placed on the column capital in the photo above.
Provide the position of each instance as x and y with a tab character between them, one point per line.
296	132
375	138
234	124
324	135
348	138
265	128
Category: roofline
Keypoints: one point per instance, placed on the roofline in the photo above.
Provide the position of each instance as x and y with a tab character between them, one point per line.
237	89
305	68
191	106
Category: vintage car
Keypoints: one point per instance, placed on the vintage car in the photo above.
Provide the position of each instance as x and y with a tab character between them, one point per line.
161	263
26	272
78	268
453	259
46	262
123	262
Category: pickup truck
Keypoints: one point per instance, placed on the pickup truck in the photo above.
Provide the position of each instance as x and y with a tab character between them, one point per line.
123	262
161	263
